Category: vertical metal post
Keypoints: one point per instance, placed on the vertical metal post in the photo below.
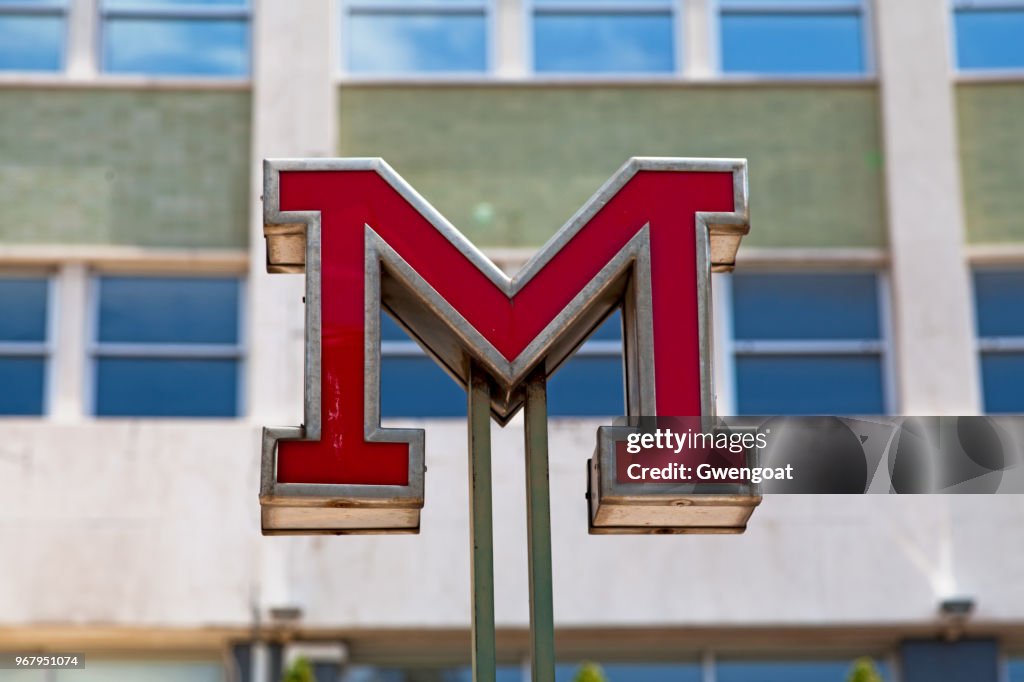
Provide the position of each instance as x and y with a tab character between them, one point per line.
481	528
538	509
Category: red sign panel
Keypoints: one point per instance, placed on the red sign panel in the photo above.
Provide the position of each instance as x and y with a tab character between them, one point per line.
641	244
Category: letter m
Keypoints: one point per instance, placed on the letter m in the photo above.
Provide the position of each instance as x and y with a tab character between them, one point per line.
366	241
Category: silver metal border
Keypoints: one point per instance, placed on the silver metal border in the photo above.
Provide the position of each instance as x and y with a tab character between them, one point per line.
624	280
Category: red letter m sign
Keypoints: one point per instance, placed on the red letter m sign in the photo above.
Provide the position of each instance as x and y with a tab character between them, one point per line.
642	243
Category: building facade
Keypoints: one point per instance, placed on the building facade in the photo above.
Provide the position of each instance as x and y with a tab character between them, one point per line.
143	346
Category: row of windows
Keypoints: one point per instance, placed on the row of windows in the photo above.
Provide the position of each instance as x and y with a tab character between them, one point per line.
161	347
801	343
721	671
157	37
403	37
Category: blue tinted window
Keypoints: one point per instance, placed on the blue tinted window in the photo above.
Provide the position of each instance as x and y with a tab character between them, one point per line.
787	671
603	43
389	329
999	309
414	385
167	367
990	38
1000	302
22	380
186	46
31	42
169	310
410	42
792	43
166	387
610	329
1002	378
23	309
805	306
366	673
1016	670
809	384
171	4
587	386
636	672
418	387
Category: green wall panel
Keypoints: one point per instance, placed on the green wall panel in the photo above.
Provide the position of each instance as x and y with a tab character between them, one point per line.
125	167
508	165
992	160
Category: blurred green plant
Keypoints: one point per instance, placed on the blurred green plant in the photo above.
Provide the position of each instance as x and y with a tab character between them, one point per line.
589	672
299	671
863	670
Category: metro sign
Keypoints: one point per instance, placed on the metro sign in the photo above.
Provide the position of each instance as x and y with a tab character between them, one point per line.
646	242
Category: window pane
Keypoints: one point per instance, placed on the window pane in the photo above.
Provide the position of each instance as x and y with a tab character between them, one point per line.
418	387
603	43
161	387
1016	670
788	43
417	43
133	4
610	330
366	673
1000	301
168	310
787	671
31	43
389	329
587	386
635	672
197	47
584	386
22	380
1002	379
990	39
825	384
23	309
805	306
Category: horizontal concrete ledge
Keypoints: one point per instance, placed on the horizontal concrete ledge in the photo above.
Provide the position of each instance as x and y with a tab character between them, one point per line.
597	82
813	257
452	645
996	254
61	81
126	258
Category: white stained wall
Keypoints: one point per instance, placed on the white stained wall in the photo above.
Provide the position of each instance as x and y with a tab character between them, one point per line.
156	524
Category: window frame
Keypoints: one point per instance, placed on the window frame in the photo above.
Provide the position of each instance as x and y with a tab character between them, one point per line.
45	349
592	348
171	12
982	73
733	347
52	8
991	345
96	349
863	8
677	16
488	8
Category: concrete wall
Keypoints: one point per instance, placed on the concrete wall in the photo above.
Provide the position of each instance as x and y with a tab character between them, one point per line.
125	167
510	164
992	160
146	524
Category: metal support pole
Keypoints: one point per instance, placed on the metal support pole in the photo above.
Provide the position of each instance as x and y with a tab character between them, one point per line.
538	509
481	528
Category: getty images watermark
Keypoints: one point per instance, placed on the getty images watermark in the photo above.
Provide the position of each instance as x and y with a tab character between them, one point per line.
824	454
699	445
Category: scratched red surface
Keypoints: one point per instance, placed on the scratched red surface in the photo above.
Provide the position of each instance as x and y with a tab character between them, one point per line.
348	200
